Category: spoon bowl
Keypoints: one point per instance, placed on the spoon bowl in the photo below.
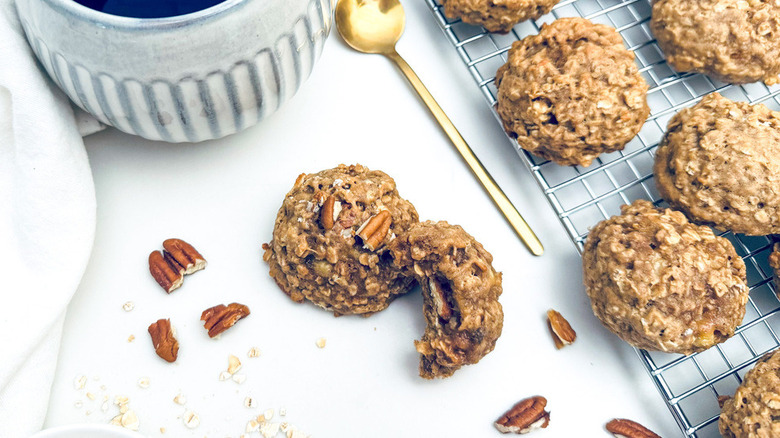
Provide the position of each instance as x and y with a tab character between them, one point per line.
370	26
374	26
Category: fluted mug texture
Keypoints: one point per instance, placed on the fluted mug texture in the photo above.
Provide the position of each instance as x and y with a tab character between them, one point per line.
189	78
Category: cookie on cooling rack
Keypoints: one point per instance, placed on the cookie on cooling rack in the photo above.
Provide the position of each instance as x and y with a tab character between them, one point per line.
754	411
497	15
719	163
330	240
572	92
732	41
662	283
774	263
460	295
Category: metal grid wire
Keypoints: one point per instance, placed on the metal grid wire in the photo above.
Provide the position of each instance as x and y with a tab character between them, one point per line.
583	196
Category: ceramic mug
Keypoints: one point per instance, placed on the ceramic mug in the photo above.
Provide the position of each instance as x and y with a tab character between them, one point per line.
187	78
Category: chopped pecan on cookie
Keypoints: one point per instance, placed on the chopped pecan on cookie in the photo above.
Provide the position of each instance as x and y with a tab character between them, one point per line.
330	240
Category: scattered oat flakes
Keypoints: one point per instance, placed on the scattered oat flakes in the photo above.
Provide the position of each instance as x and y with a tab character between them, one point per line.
252	425
282	412
295	433
128	306
143	382
104	406
180	399
120	400
239	378
80	382
78	404
162	430
128	420
268	414
253	352
88	413
191	420
284	427
90	396
233	364
321	342
131	338
224	375
268	430
249	402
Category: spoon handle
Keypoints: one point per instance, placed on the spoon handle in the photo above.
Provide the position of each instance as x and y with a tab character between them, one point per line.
499	198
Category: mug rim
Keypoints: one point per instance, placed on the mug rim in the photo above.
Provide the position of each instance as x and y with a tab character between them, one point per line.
76	10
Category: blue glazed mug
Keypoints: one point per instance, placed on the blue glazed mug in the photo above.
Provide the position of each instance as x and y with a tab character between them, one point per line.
187	78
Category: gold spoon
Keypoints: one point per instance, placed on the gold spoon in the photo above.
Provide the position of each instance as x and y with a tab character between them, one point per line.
374	26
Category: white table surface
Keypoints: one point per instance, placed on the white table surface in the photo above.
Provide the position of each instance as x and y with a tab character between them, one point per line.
222	196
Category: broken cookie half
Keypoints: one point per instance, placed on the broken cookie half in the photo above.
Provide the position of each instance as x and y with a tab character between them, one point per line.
460	295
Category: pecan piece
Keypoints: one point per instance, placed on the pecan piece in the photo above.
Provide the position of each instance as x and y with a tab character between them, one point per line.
177	259
330	212
184	254
623	428
375	229
525	416
219	318
439	299
168	274
560	329
299	180
163	339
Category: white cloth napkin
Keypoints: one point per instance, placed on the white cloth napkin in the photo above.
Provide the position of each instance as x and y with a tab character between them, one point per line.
47	226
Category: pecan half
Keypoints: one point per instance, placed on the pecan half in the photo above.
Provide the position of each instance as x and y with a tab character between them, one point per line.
439	299
525	416
375	229
165	343
330	212
219	318
177	259
168	274
623	428
184	254
562	332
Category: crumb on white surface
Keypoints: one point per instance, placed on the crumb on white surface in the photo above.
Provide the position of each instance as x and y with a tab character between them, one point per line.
80	382
239	378
234	364
191	420
180	399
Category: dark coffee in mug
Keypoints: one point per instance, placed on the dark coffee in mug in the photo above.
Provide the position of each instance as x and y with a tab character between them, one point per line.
148	8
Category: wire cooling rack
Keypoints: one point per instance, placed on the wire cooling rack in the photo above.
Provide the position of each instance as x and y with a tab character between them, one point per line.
583	196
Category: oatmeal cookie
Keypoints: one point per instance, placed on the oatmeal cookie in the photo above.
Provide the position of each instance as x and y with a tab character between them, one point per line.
497	15
736	41
754	411
719	163
460	295
317	252
774	263
662	283
571	92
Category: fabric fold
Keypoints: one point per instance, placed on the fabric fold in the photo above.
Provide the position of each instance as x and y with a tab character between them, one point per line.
47	226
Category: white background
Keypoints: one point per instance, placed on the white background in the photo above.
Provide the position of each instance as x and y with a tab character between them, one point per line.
222	196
